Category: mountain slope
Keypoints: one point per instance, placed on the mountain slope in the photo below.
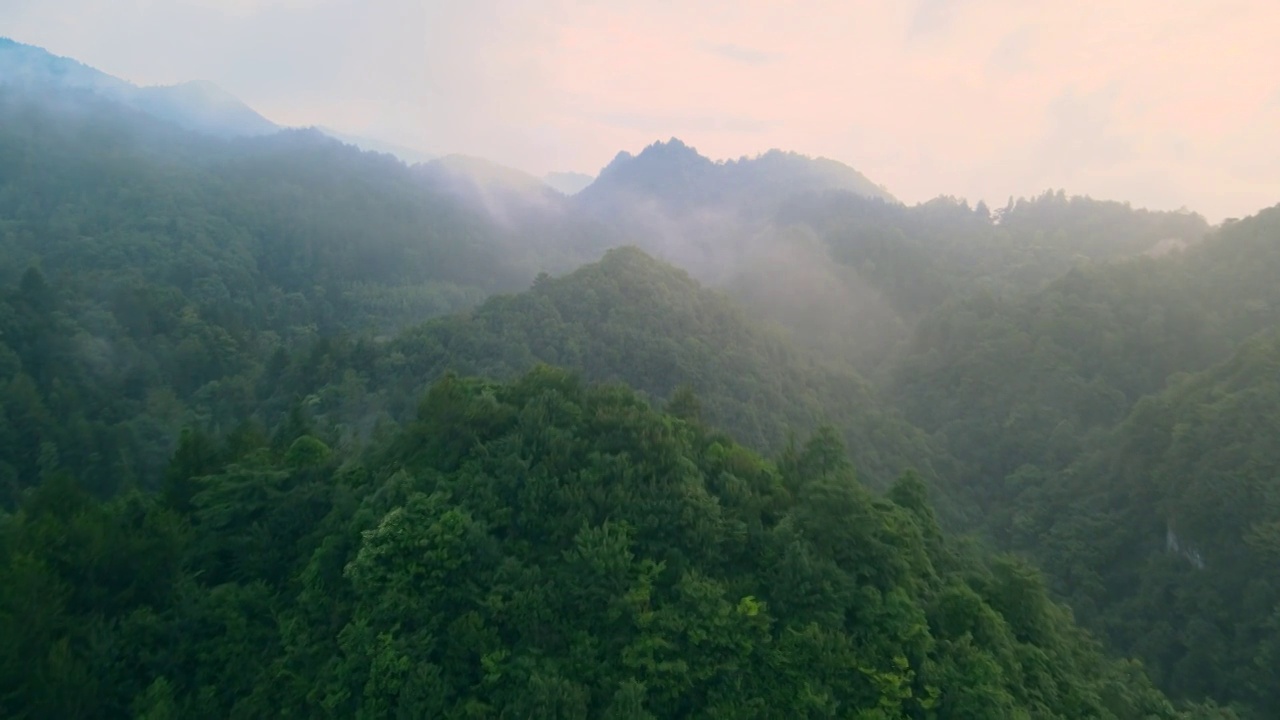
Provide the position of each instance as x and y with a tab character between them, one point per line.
714	219
1166	537
632	319
203	107
199	106
1146	493
173	264
1016	378
533	549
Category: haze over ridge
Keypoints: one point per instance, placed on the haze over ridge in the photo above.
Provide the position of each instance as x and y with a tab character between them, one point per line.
1160	105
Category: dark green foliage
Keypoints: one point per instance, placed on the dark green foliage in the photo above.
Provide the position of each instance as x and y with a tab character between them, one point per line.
852	276
148	276
1165	538
1120	487
1028	378
535	549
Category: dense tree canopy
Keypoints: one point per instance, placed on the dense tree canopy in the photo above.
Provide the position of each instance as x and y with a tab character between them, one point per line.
537	549
1179	509
632	319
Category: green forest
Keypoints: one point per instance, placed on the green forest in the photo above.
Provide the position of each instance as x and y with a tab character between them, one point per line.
288	429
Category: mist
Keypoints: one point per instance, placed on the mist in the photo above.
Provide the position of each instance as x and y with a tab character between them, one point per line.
982	99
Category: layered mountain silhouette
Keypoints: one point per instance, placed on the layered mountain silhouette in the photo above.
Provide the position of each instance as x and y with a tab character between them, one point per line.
678	178
198	105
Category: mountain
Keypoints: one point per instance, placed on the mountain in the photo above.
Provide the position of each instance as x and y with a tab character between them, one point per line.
1024	377
31	67
886	265
679	179
538	548
1117	425
1165	538
203	107
715	219
632	319
199	106
308	212
569	183
147	273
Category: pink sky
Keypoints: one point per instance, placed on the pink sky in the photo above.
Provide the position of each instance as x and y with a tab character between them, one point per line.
1161	103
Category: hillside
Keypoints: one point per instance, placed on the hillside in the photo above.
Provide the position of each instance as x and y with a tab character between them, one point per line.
714	219
1097	455
535	549
632	319
142	267
888	266
1025	378
199	106
1165	538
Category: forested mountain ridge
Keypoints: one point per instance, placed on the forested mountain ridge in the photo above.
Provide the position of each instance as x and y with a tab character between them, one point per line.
632	319
537	549
714	219
172	268
888	266
677	178
148	272
298	212
1096	455
1181	511
1074	357
200	106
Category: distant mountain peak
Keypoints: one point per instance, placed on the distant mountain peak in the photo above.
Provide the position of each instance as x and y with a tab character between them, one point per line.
674	144
673	148
198	105
677	175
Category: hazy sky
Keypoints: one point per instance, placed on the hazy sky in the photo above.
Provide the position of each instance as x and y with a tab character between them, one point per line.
1161	102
